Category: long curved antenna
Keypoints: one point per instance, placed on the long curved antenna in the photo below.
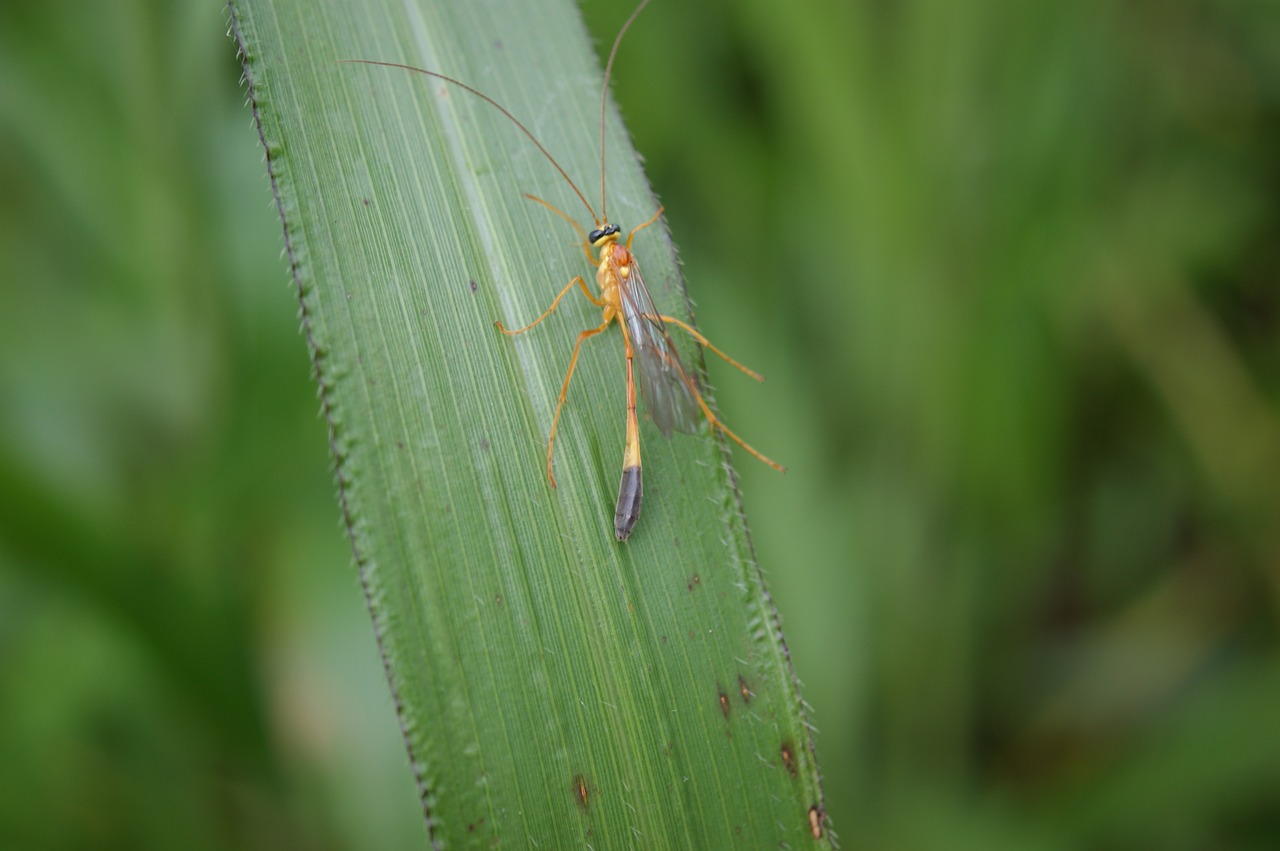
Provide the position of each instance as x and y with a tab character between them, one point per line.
604	93
503	110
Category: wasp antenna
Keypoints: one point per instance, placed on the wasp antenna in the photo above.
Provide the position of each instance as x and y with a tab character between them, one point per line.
484	97
604	94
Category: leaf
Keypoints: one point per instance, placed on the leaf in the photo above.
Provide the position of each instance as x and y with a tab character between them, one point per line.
555	688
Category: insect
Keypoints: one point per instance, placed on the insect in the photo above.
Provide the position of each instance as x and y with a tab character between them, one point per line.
670	395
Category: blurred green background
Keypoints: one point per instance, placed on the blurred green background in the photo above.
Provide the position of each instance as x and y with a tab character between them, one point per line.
1013	272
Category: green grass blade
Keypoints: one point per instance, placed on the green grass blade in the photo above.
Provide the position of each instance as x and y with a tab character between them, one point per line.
556	689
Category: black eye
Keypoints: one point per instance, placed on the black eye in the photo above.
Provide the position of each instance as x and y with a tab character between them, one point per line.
599	234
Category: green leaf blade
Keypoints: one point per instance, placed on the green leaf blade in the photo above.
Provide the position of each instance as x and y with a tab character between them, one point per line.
532	657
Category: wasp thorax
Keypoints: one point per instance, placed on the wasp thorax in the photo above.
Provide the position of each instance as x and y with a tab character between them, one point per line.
601	234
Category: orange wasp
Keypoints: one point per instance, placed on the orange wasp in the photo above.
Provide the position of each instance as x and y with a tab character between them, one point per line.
671	397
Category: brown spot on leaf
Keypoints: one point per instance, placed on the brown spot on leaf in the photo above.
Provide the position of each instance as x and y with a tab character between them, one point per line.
581	792
694	582
724	704
744	689
789	759
816	817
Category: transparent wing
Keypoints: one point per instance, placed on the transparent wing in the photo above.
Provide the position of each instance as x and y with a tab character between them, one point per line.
664	385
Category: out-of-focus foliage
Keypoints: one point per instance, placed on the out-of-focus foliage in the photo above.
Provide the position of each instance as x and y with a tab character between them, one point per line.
1011	270
185	661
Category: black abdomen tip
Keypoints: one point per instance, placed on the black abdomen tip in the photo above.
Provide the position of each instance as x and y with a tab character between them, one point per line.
628	510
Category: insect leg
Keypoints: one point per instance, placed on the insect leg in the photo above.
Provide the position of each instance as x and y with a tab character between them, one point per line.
704	341
717	424
562	214
635	230
579	281
564	391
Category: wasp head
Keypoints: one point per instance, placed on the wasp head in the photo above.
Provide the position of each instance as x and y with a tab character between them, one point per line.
608	233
